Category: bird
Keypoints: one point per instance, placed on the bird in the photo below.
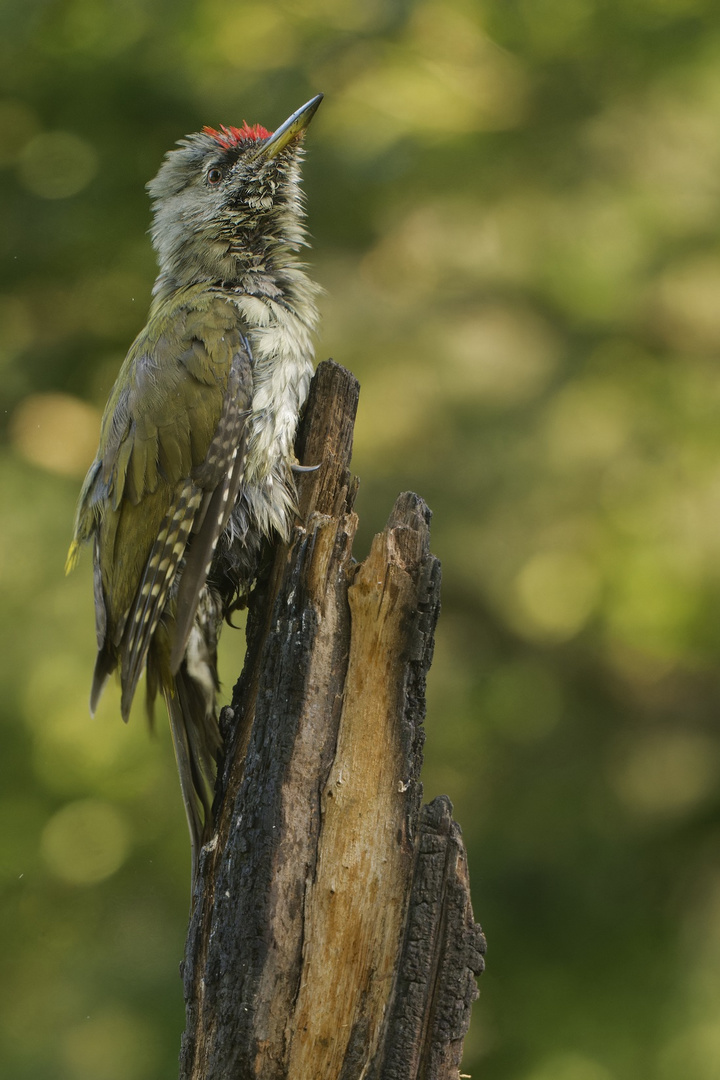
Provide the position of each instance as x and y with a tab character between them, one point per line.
194	471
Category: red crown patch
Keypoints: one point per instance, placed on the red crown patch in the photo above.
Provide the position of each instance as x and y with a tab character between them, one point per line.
227	137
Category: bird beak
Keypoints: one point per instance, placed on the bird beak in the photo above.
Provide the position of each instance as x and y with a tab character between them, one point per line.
293	126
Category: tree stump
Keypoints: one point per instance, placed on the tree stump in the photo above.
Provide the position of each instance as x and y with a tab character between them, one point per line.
332	935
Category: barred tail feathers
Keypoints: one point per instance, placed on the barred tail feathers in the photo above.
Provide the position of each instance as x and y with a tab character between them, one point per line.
190	698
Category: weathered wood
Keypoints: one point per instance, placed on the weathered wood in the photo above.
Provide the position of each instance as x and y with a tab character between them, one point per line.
332	934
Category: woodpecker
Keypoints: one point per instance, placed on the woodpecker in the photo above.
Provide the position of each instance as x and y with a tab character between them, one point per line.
194	470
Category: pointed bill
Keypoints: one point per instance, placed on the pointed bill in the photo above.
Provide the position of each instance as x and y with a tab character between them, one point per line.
294	125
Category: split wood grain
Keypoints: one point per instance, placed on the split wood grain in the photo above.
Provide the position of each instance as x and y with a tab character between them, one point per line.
332	934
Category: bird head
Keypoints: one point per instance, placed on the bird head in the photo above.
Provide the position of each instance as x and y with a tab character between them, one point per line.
228	201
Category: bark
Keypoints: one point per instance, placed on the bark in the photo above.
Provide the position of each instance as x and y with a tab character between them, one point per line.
332	933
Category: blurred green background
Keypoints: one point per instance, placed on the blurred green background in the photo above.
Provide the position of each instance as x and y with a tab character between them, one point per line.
515	210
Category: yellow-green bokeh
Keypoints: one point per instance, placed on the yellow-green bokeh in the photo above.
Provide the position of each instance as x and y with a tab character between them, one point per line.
516	216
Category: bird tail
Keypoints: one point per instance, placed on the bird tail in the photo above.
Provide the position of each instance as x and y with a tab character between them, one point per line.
190	696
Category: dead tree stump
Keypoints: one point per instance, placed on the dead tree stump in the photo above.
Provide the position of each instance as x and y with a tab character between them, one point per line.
332	936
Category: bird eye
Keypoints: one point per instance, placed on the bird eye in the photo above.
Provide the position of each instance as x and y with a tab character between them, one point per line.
214	176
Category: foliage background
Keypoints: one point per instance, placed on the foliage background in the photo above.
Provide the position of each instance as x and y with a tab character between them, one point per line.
515	212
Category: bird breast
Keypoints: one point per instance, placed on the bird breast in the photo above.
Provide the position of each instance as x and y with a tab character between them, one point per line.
282	352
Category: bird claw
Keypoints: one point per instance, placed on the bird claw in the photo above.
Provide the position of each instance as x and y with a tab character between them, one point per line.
305	468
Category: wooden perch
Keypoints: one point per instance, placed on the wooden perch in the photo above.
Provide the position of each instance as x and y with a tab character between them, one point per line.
332	935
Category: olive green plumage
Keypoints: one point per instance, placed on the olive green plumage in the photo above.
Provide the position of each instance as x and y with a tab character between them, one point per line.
156	433
194	466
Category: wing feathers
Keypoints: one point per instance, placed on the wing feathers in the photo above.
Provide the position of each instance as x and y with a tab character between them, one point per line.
159	574
221	473
202	505
202	549
168	470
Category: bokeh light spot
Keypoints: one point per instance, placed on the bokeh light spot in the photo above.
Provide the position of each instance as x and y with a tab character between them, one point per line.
684	306
57	432
556	593
587	424
446	78
85	842
57	164
666	773
503	355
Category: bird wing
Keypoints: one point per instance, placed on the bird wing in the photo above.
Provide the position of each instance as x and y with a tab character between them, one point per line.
170	462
